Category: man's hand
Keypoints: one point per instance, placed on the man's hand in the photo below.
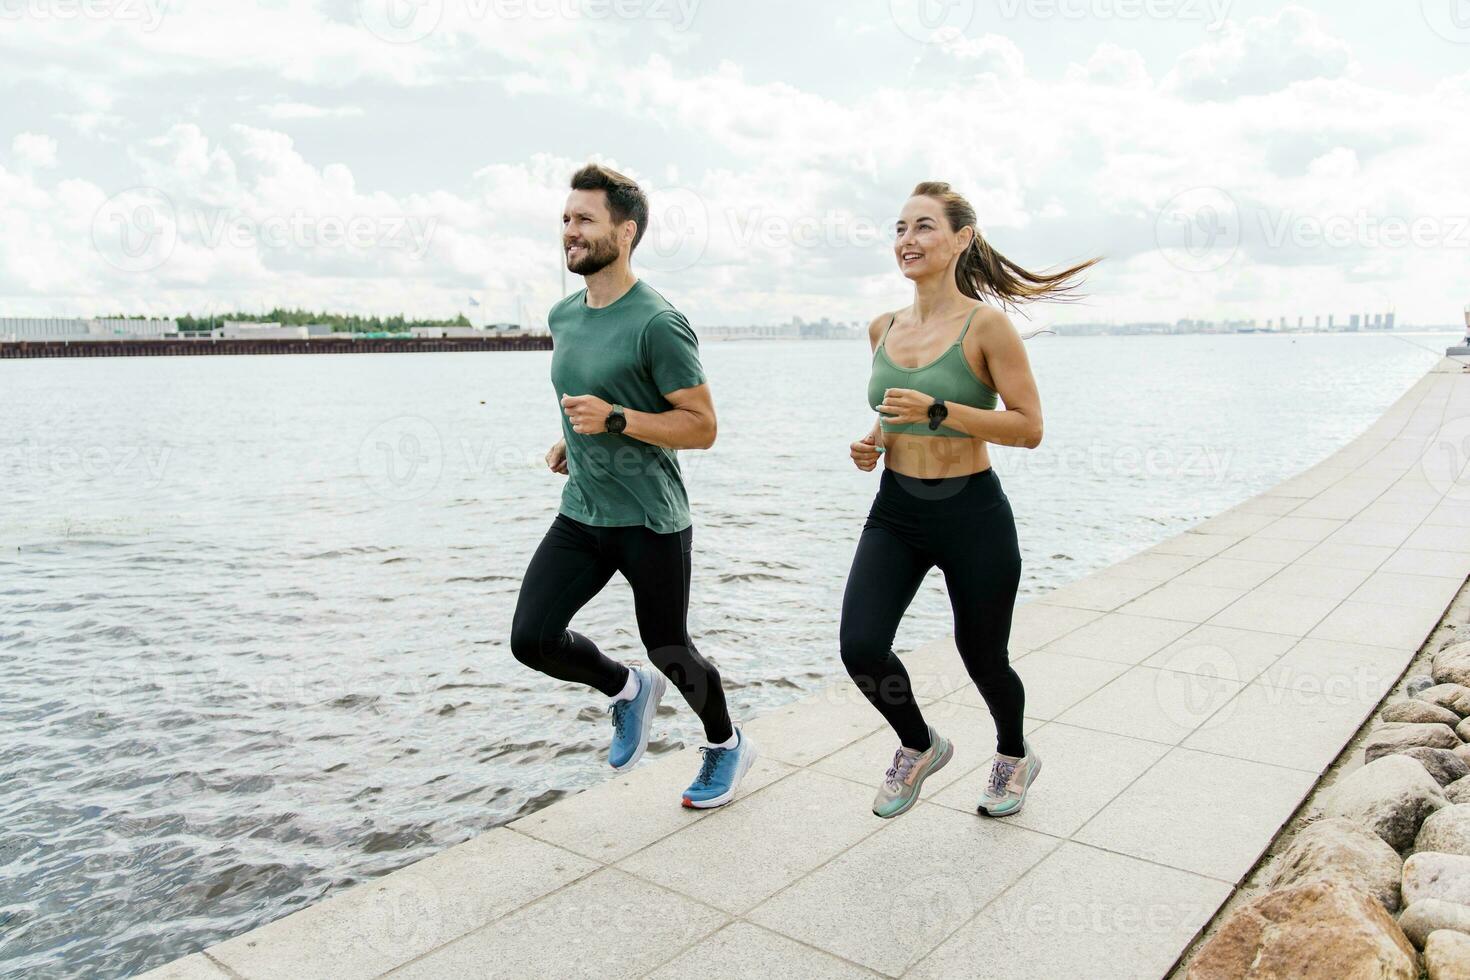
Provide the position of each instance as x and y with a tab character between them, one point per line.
903	406
587	413
865	453
556	457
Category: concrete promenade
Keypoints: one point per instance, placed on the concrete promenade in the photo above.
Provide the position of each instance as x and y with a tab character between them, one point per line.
1184	702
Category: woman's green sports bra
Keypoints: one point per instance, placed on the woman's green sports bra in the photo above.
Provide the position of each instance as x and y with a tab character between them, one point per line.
949	376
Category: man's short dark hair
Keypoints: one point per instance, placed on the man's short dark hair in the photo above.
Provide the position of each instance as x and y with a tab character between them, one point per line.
625	199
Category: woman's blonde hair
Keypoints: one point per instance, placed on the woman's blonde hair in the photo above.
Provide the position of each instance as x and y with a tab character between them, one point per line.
982	271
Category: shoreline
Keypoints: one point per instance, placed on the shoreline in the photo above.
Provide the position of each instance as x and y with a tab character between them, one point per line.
1348	760
220	346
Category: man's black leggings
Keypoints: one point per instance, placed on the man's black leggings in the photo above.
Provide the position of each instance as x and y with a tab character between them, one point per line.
573	563
964	525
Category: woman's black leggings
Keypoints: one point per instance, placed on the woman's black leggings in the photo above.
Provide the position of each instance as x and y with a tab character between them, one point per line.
572	564
964	525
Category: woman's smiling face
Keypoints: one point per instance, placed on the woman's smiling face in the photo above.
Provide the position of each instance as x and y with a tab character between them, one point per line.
923	242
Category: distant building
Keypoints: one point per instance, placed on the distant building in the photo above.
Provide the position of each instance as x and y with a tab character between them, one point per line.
453	331
235	329
73	328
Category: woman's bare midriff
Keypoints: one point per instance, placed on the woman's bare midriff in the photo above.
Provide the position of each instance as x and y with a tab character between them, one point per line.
934	457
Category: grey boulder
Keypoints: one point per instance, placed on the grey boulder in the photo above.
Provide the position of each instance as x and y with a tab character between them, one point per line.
1390	796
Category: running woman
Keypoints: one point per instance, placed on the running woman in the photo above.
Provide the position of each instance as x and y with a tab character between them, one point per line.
625	365
939	367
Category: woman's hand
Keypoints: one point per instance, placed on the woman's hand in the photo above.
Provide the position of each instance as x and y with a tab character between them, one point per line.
902	406
865	453
556	457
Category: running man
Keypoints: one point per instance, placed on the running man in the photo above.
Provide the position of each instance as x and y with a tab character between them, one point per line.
625	365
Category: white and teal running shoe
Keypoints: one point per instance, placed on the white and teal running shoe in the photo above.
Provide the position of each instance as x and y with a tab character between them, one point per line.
1010	777
720	774
632	718
901	784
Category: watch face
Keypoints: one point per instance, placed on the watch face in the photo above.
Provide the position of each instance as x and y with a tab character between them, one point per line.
938	410
616	422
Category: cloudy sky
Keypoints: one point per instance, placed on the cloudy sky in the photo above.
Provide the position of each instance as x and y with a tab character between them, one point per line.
1229	158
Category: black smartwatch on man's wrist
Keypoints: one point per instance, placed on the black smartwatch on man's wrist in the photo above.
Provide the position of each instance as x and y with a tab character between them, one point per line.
616	420
938	412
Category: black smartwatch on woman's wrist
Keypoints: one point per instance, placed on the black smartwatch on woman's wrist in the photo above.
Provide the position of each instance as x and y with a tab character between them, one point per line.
938	412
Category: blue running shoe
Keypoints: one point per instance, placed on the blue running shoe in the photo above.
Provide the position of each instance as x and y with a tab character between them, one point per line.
633	718
720	774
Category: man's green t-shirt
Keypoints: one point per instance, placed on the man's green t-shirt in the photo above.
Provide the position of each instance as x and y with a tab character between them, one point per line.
630	353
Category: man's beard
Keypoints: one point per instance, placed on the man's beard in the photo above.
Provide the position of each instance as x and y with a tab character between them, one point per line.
599	255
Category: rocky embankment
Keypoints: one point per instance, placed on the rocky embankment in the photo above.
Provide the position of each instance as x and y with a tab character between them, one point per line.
1372	880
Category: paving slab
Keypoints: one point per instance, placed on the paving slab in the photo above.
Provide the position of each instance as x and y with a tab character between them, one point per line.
1275	612
1147	702
1261	548
1120	638
610	924
1223	651
1344	670
1302	577
1186	812
1102	593
613	819
741	951
1230	573
745	854
1053	682
374	927
1285	726
1378	623
1084	912
1084	769
969	728
892	898
195	966
1183	602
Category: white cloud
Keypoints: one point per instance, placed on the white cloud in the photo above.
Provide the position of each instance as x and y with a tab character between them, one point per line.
33	150
955	57
301	110
1264	55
